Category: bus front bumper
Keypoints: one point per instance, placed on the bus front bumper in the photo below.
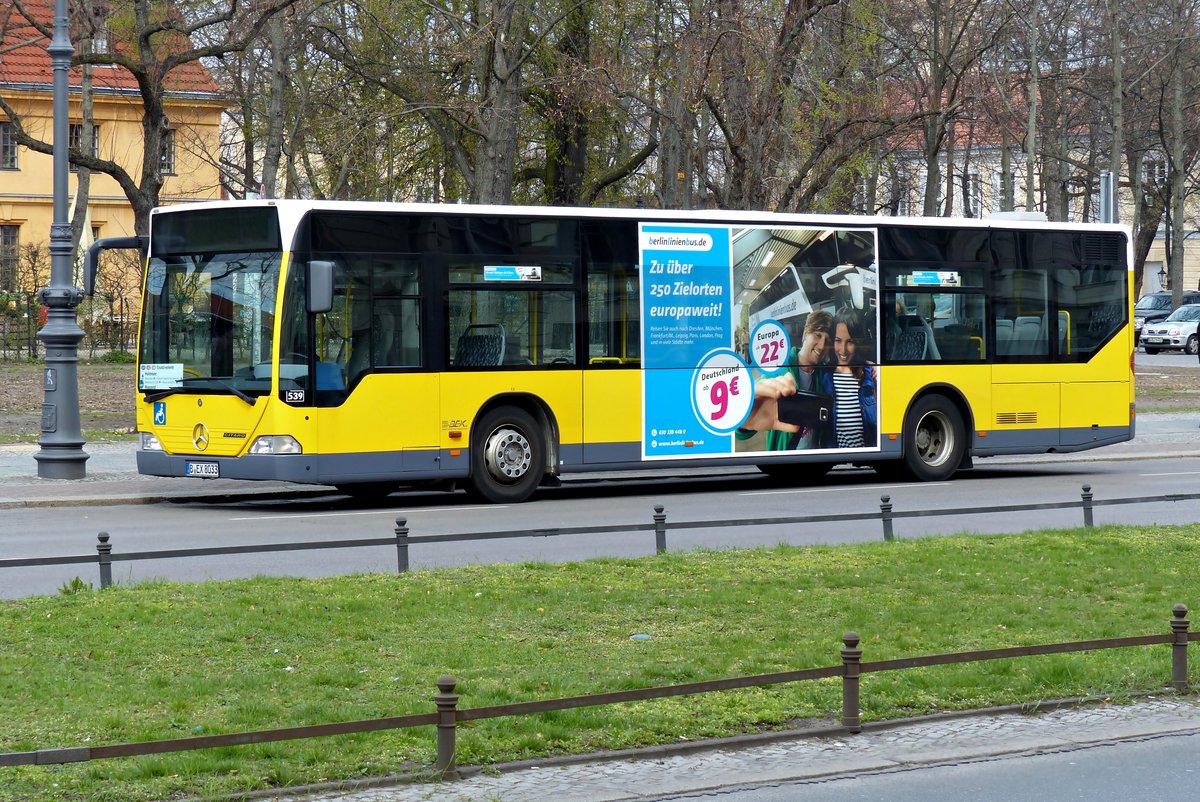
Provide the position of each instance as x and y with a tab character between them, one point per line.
327	469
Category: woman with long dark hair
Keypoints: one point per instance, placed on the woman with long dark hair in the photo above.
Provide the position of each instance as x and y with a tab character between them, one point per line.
851	380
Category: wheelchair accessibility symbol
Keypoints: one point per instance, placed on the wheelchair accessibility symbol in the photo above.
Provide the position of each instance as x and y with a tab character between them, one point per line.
160	413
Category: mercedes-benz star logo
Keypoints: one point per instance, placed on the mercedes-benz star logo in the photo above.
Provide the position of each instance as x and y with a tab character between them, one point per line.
200	437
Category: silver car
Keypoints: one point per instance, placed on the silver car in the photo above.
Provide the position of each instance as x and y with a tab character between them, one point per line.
1178	331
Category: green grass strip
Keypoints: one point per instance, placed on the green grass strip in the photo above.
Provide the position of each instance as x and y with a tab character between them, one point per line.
165	660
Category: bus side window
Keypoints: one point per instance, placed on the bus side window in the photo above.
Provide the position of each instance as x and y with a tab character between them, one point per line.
614	316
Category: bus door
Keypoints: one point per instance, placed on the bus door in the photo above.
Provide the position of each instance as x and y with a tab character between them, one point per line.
612	381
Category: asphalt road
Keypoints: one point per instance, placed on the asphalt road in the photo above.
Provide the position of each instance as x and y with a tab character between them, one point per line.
703	497
1158	769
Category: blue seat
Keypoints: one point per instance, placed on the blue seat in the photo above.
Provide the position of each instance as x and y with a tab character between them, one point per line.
329	376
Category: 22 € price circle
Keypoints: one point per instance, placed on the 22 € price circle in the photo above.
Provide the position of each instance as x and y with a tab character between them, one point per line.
722	391
770	346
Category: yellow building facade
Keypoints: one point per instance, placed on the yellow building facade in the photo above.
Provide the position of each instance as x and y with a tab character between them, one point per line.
189	158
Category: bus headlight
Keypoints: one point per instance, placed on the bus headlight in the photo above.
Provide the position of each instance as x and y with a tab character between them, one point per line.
150	442
276	444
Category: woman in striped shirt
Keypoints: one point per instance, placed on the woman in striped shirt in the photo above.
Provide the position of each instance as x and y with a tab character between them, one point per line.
852	383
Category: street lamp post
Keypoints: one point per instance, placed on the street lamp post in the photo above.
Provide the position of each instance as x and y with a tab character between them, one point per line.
61	455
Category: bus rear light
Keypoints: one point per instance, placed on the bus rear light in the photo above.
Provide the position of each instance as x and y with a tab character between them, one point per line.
276	444
150	442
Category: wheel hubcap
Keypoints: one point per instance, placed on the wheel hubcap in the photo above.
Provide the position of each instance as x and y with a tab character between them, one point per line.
935	439
508	454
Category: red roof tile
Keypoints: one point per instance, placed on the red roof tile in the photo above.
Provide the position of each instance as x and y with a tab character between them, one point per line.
28	63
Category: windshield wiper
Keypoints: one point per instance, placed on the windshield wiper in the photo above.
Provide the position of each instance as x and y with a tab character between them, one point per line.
155	396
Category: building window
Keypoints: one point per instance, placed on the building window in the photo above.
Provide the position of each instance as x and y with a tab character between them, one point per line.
167	153
10	250
8	147
1155	171
75	141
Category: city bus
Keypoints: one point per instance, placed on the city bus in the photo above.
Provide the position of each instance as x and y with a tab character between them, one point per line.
370	346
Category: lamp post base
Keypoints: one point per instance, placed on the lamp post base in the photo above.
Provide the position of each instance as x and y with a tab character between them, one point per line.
62	463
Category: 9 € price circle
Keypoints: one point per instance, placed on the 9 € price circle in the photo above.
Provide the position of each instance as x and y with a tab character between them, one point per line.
770	346
722	391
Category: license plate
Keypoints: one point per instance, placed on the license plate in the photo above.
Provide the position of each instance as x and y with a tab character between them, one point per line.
1153	339
207	470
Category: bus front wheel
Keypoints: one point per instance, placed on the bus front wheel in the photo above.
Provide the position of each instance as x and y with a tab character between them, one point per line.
508	458
934	439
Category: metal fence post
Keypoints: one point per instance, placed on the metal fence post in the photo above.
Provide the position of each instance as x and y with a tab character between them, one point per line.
660	529
1179	656
104	553
885	515
851	659
402	544
1087	506
447	704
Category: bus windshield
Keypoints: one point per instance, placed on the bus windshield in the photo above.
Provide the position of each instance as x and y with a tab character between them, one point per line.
208	311
207	322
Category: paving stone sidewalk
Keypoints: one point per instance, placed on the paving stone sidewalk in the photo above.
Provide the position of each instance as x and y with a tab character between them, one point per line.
656	773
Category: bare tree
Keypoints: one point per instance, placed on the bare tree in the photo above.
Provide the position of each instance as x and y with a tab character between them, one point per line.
159	42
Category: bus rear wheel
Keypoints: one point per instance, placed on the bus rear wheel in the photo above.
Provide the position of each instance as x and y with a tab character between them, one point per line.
934	439
508	457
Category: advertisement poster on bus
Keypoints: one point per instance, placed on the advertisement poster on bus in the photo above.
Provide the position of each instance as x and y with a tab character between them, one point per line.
758	340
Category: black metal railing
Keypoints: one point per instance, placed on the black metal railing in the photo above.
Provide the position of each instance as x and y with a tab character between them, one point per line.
448	715
403	540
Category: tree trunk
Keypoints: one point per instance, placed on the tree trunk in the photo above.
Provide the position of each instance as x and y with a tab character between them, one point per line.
1178	177
1031	123
270	171
1117	57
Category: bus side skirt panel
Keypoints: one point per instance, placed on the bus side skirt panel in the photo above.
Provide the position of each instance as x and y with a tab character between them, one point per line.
1033	441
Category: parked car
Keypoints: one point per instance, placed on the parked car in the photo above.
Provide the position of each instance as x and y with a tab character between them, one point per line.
1155	306
1177	331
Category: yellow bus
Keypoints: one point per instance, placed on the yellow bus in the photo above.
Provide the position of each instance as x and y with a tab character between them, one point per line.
371	345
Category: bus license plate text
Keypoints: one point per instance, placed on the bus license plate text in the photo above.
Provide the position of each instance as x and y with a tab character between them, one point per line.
207	470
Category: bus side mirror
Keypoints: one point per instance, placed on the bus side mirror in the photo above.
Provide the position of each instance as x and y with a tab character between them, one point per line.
320	286
91	260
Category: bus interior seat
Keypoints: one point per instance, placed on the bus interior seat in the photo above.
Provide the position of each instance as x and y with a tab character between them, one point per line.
1027	335
1004	336
915	340
329	376
481	345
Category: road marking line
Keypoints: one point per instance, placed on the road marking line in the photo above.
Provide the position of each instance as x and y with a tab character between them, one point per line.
1175	473
364	512
840	488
